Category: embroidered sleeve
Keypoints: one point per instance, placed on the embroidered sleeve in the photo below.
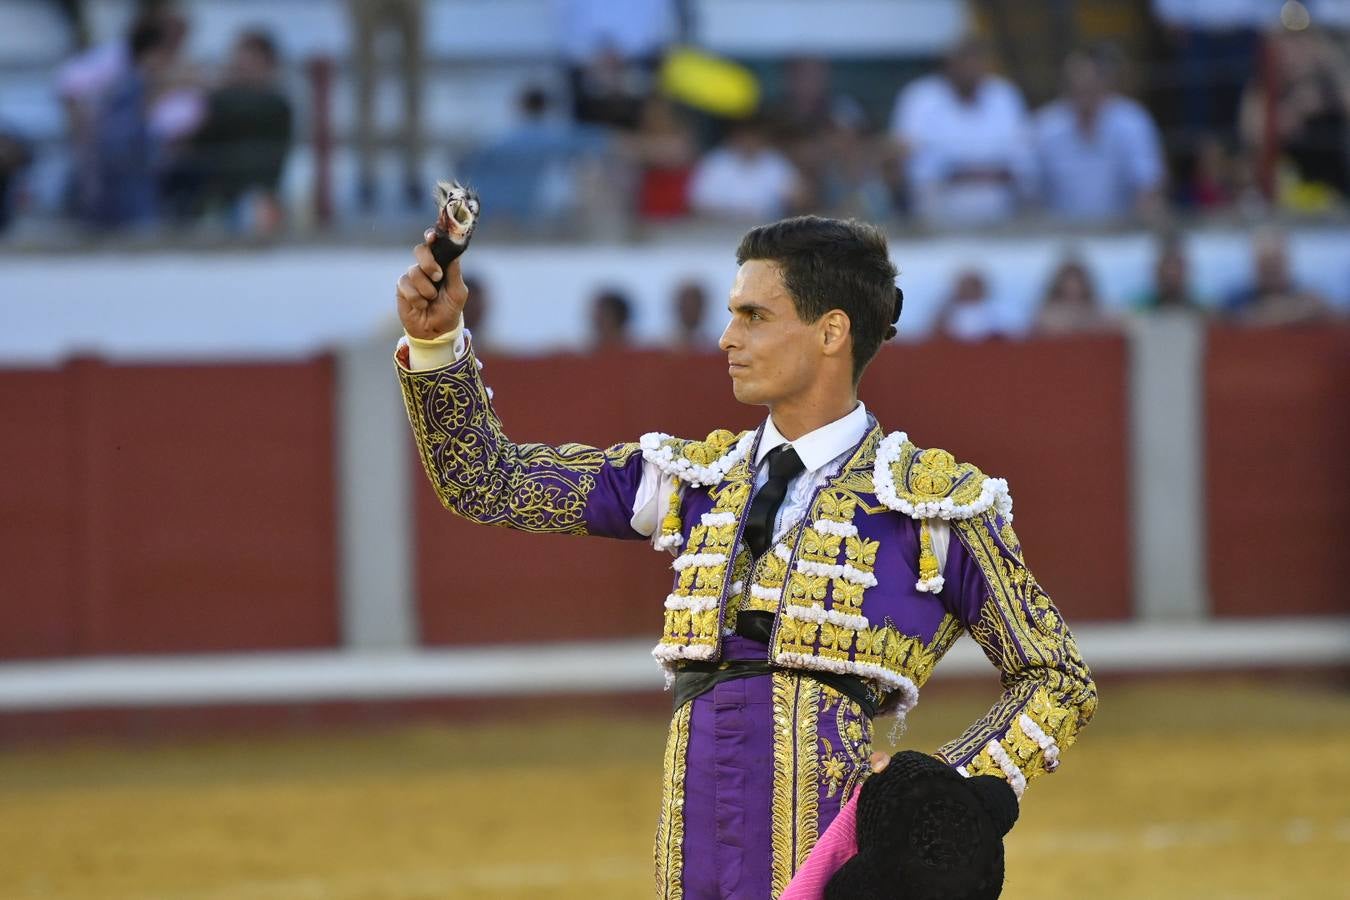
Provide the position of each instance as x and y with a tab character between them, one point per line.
482	475
1048	692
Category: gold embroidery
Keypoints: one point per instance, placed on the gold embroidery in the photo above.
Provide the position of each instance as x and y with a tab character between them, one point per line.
713	448
1022	633
842	769
925	476
848	596
795	804
861	553
807	589
480	474
671	524
708	580
670	827
817	547
837	506
928	563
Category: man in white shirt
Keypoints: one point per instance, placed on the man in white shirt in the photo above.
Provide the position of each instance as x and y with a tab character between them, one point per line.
822	566
966	140
1098	151
745	178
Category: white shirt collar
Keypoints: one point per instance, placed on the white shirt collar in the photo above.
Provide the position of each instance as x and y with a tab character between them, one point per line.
818	447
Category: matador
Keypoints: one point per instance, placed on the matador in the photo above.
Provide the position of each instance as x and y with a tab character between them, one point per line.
822	564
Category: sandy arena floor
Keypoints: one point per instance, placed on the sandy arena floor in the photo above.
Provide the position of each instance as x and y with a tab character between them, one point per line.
1213	789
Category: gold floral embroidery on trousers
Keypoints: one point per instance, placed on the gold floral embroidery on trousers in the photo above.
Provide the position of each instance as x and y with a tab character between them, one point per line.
795	805
845	766
670	827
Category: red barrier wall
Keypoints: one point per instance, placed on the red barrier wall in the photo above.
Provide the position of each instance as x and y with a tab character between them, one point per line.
1278	470
1048	416
148	509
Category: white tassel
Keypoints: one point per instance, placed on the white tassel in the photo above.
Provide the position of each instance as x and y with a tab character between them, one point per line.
930	585
1016	779
698	559
845	572
820	615
1049	749
829	526
909	692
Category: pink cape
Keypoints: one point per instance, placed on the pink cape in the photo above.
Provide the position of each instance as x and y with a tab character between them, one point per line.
836	846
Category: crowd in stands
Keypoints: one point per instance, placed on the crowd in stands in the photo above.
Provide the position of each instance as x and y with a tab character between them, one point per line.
156	141
1261	115
1258	119
1069	304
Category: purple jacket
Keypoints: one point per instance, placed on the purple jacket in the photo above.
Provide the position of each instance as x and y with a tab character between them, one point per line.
855	586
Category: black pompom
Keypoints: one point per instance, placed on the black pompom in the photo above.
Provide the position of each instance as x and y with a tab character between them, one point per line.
926	833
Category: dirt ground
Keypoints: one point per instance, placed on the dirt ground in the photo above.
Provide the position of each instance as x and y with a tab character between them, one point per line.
1213	788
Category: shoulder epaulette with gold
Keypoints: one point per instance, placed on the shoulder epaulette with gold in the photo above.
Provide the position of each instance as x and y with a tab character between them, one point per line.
697	463
931	484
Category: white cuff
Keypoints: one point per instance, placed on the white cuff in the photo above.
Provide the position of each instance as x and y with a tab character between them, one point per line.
440	351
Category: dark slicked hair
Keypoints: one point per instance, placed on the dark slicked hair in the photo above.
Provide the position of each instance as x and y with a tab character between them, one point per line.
833	264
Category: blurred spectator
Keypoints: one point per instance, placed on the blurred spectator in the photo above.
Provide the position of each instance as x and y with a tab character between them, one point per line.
690	307
611	313
805	109
531	171
242	145
125	157
852	179
966	139
968	313
612	51
1098	151
1171	288
1214	46
745	177
1311	109
1070	305
1213	183
77	21
15	155
1273	297
664	151
133	82
802	120
371	20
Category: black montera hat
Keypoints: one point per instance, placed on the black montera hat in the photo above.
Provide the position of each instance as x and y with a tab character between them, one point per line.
927	833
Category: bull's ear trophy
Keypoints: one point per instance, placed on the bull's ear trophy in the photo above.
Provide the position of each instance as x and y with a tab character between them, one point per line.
457	208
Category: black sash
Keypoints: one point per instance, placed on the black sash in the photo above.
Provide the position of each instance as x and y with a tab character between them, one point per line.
696	677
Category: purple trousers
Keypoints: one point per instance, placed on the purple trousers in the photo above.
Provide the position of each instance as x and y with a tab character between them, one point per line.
754	771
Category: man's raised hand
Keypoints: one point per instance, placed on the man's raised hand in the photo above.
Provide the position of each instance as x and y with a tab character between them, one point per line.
430	305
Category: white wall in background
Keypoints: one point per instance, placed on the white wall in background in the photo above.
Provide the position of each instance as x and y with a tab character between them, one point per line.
298	301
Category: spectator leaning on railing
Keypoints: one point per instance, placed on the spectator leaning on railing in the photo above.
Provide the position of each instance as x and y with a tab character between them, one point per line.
968	312
1274	297
1098	151
14	156
745	178
1171	288
242	145
966	140
1071	305
1311	109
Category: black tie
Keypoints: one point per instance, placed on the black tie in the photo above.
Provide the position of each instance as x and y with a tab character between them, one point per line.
784	465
